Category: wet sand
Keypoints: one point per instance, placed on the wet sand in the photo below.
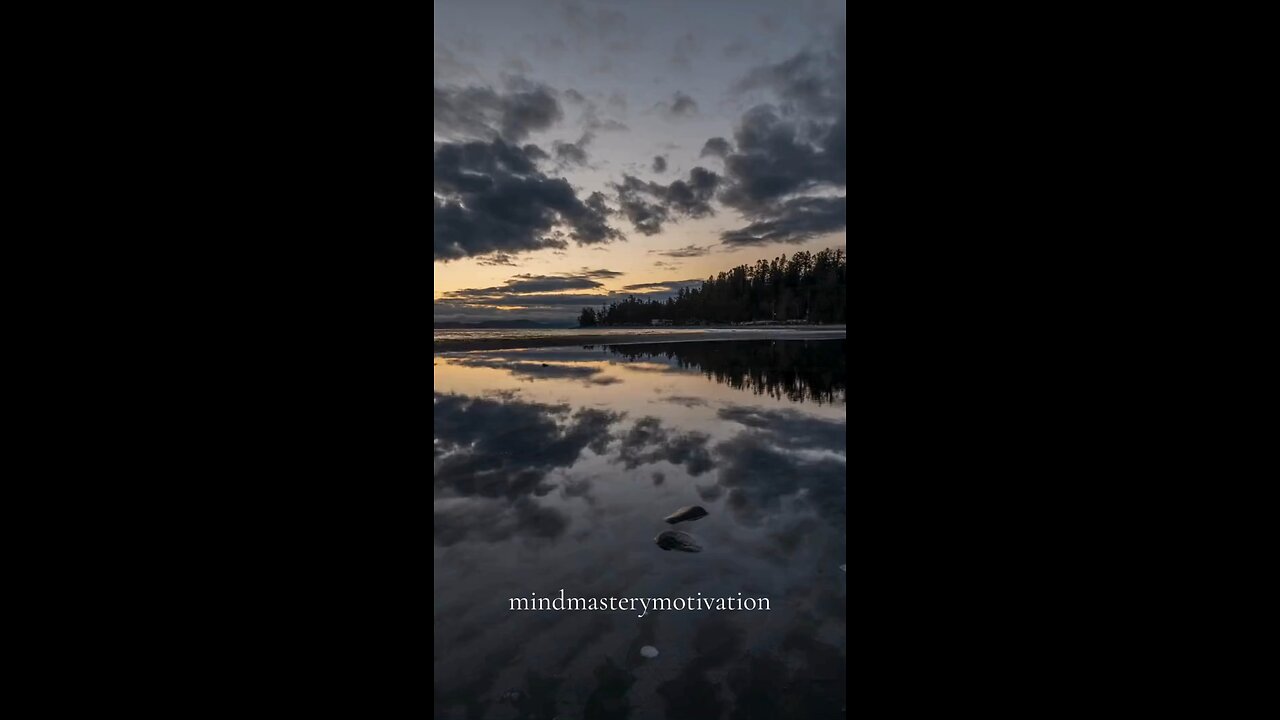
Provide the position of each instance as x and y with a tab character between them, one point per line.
588	338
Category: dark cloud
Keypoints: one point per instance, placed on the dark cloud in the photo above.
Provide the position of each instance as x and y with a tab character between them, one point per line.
682	106
571	153
574	95
649	442
497	259
659	164
788	152
775	159
471	297
716	146
795	220
483	113
809	83
648	205
490	197
544	298
524	284
687	251
668	284
600	273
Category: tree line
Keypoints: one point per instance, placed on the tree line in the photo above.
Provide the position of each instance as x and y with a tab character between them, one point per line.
808	287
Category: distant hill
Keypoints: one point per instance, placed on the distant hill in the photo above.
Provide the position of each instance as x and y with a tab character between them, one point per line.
497	325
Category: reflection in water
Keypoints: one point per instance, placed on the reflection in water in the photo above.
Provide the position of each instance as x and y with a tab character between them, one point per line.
545	478
798	370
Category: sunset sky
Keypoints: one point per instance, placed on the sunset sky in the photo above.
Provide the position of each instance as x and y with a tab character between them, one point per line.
590	147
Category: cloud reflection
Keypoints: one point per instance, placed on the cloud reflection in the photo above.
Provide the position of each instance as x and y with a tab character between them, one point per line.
492	456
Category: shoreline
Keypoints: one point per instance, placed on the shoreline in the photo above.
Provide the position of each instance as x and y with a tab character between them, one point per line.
452	345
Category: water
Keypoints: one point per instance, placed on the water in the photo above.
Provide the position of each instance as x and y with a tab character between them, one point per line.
693	333
554	468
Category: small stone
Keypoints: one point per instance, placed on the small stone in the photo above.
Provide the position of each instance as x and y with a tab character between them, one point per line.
673	540
649	651
688	512
842	569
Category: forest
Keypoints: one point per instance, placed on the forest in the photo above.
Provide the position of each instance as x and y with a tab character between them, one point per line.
807	287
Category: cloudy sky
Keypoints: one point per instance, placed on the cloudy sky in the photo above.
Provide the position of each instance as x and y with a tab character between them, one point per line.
589	148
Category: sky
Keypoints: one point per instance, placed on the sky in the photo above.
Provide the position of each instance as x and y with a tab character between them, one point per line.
586	150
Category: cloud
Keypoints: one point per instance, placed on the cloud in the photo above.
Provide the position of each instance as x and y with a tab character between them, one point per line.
682	106
601	273
648	205
717	146
665	284
781	455
490	197
789	157
592	121
524	284
485	114
789	427
492	521
497	259
687	251
545	298
776	158
486	447
757	474
659	164
793	221
533	152
571	153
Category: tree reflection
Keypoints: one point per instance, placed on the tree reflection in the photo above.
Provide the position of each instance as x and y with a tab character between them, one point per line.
798	370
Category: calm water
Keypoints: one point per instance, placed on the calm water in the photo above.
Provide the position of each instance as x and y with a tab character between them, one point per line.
692	332
554	469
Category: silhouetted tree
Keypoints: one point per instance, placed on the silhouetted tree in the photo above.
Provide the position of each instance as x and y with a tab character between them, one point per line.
808	286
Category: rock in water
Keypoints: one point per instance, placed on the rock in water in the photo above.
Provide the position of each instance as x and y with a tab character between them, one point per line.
688	512
649	651
673	540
